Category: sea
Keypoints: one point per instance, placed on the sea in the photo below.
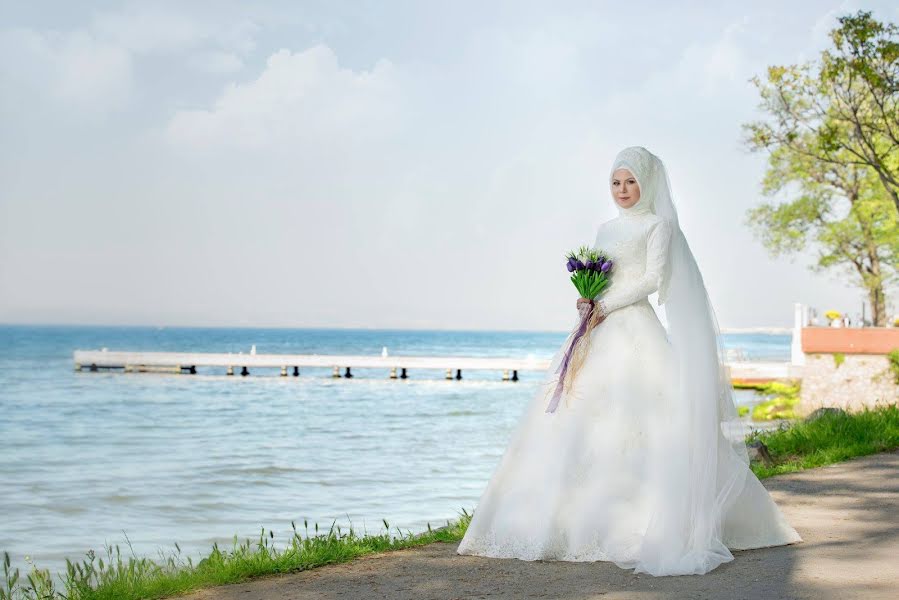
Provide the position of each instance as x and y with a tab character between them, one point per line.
94	460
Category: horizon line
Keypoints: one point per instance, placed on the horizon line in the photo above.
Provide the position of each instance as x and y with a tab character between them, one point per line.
758	329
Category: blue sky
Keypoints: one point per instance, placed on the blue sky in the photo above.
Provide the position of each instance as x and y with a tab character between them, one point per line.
376	164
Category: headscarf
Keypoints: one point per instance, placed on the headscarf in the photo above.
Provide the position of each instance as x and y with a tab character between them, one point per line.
638	161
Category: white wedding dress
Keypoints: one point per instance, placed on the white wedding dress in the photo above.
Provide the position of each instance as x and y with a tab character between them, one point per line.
596	479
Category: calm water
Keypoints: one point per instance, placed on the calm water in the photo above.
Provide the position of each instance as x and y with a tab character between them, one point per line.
90	458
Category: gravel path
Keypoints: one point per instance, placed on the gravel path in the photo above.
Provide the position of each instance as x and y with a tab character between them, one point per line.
847	514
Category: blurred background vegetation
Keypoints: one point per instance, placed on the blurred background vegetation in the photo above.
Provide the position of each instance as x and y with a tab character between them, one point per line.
832	134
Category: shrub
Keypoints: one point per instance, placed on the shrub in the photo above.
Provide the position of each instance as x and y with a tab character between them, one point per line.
893	357
783	398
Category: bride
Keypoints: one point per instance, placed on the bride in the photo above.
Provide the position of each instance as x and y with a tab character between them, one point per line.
643	463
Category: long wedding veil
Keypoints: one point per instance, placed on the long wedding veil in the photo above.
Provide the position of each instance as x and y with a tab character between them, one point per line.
708	468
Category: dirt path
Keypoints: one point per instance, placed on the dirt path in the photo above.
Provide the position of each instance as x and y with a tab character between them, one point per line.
847	514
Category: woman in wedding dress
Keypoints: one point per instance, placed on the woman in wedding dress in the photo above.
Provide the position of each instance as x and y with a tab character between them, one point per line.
643	462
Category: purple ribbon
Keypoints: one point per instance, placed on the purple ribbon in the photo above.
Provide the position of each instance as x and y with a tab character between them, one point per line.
563	366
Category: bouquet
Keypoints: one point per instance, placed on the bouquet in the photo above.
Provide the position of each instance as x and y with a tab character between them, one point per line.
590	271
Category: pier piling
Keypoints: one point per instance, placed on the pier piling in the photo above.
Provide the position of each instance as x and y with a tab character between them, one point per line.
398	366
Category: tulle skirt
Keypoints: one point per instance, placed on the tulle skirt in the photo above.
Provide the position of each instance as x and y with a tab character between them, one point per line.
596	479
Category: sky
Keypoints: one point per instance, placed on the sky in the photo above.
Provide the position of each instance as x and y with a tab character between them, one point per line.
378	164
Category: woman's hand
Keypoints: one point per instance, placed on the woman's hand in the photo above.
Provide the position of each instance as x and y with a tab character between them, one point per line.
583	306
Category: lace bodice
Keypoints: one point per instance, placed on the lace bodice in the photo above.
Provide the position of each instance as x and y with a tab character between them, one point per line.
638	246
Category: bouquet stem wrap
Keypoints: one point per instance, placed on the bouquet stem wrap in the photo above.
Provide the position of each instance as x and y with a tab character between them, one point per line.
590	270
563	365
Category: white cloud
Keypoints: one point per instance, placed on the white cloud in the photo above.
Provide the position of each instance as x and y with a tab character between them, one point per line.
725	58
486	137
710	67
819	34
152	29
216	62
93	68
148	29
75	67
304	95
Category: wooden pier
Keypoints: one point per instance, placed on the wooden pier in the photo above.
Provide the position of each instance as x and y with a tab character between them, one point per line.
398	367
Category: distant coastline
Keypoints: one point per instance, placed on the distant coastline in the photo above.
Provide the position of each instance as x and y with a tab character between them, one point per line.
773	330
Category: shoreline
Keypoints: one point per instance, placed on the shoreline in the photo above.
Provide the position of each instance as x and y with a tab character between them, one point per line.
829	439
844	512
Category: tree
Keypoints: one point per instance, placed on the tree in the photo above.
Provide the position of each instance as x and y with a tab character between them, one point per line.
843	211
833	139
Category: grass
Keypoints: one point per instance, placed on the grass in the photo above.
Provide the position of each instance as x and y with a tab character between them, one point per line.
122	578
831	438
893	357
782	401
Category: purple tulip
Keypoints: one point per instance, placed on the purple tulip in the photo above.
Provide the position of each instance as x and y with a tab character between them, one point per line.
569	266
606	266
579	264
590	264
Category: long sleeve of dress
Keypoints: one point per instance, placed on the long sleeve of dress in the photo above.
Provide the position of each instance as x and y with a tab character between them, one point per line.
625	292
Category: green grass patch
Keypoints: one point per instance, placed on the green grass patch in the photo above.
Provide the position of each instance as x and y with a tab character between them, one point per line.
831	438
118	578
893	357
782	401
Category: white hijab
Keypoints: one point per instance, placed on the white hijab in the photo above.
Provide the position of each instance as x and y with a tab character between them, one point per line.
708	469
638	161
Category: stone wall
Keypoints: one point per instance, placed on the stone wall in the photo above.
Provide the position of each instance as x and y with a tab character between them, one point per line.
861	380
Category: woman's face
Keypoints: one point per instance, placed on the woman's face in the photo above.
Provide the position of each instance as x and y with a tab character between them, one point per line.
625	189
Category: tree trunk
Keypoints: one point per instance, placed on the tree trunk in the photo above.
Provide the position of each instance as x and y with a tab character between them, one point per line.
878	305
867	264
